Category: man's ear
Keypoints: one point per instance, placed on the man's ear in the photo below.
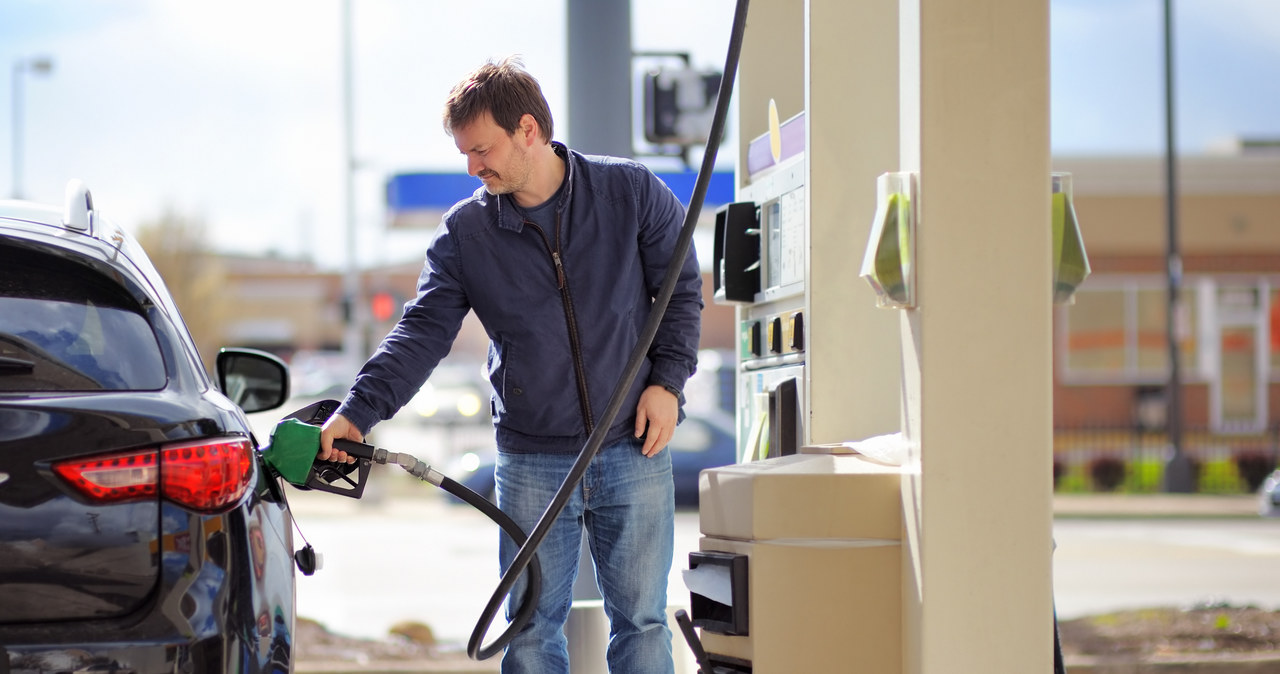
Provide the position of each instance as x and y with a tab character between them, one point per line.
529	128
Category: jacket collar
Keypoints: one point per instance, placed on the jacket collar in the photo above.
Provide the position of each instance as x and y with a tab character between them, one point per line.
509	215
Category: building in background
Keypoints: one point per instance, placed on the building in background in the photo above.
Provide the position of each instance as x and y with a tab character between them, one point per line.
1112	358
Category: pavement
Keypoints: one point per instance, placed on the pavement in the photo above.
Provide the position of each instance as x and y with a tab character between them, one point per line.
1065	506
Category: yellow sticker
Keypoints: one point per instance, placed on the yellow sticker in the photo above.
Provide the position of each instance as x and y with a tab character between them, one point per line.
775	132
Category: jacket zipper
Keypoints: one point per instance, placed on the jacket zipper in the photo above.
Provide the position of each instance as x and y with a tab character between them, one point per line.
571	320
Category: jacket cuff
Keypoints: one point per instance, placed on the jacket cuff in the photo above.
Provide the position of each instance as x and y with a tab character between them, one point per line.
358	413
668	379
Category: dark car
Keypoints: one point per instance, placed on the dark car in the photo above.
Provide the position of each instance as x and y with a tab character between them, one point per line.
702	440
139	530
1269	496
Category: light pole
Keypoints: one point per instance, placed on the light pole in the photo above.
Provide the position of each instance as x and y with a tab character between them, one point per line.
353	342
1179	477
39	65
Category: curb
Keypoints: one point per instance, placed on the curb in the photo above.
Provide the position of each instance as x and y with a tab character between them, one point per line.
1156	505
1268	664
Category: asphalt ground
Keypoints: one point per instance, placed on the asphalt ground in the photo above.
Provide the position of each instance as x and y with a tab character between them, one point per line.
405	554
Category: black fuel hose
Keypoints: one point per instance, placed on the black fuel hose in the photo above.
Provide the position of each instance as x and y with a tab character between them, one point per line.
529	600
684	244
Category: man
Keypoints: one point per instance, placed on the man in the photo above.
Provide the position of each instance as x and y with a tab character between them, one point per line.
560	256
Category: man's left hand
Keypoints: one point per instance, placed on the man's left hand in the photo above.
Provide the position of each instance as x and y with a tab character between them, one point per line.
657	413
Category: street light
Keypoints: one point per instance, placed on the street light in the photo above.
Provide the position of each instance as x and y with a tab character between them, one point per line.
354	348
1179	477
39	65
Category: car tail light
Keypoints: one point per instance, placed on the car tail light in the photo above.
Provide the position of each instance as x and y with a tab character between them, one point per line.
204	476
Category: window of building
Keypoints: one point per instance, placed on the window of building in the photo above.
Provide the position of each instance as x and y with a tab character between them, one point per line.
1116	331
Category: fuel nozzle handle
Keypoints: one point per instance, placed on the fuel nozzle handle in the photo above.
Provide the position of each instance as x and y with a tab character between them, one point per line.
414	466
357	449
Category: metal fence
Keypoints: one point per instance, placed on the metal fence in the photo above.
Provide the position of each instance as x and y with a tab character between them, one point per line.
1131	460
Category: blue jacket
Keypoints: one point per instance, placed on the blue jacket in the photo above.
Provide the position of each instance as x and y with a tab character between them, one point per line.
563	309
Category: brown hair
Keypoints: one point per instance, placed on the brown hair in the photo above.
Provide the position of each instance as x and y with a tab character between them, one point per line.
504	90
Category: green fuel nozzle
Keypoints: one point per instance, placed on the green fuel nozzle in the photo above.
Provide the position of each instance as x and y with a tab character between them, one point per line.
292	454
293	449
295	444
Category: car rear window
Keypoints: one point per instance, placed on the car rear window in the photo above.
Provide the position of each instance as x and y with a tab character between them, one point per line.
65	327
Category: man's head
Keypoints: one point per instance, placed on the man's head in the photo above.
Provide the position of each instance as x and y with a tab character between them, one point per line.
501	123
503	90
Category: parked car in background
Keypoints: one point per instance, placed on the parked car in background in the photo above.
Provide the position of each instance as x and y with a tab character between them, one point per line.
1269	496
139	530
703	440
456	393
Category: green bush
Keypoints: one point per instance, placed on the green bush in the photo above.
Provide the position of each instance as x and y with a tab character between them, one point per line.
1146	476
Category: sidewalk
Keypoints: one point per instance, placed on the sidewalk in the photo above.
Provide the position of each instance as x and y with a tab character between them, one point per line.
1155	505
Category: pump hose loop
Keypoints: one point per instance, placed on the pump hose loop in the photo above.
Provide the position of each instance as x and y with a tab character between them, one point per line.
638	354
529	600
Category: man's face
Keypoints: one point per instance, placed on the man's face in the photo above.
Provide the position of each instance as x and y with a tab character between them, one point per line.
499	160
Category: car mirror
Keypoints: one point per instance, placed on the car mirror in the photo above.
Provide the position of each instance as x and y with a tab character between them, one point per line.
254	380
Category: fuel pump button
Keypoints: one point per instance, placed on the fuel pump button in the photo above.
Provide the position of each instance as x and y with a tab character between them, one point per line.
750	341
775	335
797	331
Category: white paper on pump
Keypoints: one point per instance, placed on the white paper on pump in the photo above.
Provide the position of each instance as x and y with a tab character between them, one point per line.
711	581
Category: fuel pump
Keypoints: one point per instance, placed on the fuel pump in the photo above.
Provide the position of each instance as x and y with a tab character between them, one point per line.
799	565
930	342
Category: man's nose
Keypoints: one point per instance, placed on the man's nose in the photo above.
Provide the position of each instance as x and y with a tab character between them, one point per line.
474	166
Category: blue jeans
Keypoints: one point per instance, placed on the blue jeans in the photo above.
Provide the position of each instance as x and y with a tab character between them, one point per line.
627	504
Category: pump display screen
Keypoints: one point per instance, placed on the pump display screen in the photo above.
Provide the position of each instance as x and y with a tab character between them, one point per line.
784	222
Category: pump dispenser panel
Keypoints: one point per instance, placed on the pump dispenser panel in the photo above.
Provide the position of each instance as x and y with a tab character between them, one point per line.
759	267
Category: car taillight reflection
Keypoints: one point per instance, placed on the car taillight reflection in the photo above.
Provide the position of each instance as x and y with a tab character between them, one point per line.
205	476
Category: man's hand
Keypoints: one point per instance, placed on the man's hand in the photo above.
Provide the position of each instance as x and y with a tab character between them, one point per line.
337	427
657	413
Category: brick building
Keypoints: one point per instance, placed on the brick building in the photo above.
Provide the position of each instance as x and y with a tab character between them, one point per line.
1111	353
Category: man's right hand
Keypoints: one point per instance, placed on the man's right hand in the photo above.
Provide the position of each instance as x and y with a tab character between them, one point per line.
337	427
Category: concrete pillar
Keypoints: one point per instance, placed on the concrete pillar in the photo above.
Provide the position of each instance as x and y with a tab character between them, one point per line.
851	110
599	59
977	350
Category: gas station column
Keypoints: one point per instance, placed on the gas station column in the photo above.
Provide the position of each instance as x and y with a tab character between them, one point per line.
977	359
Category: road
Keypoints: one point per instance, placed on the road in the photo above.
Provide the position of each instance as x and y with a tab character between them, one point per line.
419	558
1109	564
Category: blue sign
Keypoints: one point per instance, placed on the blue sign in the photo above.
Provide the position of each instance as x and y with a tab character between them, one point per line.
440	191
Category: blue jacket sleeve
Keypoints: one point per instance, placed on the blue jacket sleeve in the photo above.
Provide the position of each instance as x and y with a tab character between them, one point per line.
674	352
417	343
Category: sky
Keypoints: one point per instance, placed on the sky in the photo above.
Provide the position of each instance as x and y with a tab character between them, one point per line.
230	112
